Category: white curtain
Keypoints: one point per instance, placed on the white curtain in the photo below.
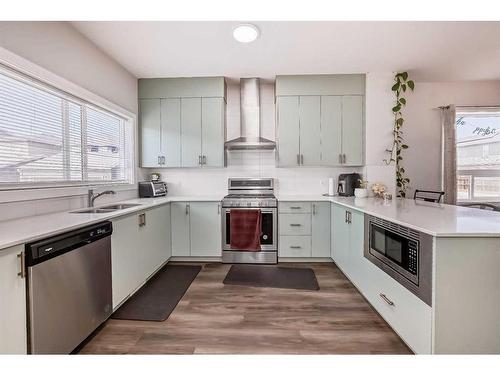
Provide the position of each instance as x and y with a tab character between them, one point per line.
449	154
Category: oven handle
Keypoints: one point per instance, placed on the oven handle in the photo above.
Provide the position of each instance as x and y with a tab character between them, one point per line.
263	210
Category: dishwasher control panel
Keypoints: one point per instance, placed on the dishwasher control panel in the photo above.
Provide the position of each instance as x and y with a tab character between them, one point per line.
48	248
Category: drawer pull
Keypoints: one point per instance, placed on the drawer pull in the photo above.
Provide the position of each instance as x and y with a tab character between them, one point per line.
386	300
295	225
295	247
22	258
295	207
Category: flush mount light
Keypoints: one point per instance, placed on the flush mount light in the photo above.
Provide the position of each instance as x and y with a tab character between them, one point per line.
246	33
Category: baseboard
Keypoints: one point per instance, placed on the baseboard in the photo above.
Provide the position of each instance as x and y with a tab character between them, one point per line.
195	259
304	260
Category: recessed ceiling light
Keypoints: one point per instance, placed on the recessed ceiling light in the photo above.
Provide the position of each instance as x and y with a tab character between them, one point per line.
246	33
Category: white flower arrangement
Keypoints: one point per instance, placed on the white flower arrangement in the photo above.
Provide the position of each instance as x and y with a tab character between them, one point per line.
379	189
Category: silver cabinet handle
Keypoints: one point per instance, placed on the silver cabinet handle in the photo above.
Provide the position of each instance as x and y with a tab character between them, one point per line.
314	209
386	300
345	217
159	159
295	207
187	209
295	247
295	225
302	159
204	160
163	159
298	159
218	209
142	220
349	217
340	158
199	159
343	159
22	260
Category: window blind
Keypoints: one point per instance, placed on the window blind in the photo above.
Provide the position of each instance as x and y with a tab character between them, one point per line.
46	137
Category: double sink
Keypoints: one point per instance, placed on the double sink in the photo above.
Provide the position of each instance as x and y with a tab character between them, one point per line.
106	209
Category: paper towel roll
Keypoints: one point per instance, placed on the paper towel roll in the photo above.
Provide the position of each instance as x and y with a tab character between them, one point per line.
331	186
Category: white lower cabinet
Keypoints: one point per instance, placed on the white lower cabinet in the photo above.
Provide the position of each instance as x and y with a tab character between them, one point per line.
140	244
196	229
304	229
409	316
13	323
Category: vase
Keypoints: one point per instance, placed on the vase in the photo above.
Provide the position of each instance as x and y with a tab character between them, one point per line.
360	193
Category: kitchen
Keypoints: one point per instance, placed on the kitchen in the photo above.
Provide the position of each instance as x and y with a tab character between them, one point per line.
154	206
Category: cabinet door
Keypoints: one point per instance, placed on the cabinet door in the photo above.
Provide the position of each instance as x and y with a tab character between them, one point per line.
352	129
206	232
310	137
356	244
191	132
331	130
340	237
171	132
150	118
155	239
13	333
288	131
180	229
321	229
126	258
212	125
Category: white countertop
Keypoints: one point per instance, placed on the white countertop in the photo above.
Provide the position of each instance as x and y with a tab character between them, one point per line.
439	220
32	228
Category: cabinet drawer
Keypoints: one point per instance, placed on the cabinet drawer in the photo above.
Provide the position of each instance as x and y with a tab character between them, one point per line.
295	207
295	246
294	224
409	316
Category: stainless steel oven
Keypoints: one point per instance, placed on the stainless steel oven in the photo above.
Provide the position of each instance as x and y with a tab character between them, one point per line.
403	253
251	194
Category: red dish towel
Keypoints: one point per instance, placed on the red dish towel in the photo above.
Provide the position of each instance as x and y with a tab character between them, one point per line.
245	229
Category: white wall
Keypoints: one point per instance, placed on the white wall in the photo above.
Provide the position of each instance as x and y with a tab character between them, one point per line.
59	48
422	128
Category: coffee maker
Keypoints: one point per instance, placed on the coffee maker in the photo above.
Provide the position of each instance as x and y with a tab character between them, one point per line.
347	183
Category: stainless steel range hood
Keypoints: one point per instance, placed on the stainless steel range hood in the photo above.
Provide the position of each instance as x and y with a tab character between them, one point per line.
250	119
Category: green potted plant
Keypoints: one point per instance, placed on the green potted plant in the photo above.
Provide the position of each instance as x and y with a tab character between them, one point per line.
362	190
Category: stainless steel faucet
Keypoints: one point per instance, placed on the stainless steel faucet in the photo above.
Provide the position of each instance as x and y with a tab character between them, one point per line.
92	197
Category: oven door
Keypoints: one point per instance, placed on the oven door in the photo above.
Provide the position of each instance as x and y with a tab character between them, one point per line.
395	250
268	240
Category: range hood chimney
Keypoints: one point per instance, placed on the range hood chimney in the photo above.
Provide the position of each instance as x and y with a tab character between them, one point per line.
250	119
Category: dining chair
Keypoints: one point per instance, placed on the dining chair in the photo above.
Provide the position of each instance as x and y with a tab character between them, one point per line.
428	195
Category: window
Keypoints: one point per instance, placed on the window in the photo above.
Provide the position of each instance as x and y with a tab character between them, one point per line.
478	155
50	138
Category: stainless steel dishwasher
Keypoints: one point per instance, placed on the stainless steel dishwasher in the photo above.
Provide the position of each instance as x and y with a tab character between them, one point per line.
69	288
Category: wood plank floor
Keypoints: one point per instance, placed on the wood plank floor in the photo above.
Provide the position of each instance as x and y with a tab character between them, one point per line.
213	318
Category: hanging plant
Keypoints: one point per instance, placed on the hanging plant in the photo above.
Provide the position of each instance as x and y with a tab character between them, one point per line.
402	83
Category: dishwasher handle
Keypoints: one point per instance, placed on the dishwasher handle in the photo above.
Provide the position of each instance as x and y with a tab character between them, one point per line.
43	250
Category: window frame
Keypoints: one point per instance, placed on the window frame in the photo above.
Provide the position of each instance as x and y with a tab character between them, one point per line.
473	173
21	69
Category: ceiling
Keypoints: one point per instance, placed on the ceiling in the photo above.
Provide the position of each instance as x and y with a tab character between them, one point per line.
431	51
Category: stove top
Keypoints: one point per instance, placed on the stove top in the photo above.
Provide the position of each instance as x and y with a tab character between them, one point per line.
253	192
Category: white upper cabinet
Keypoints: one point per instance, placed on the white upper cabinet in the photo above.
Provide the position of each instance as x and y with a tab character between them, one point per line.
288	131
310	130
212	134
191	132
150	119
171	131
320	120
331	129
352	130
182	122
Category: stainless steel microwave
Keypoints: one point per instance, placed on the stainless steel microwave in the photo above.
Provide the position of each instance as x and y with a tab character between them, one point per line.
403	253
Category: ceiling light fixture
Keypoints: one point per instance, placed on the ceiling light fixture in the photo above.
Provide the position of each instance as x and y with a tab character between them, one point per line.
246	33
